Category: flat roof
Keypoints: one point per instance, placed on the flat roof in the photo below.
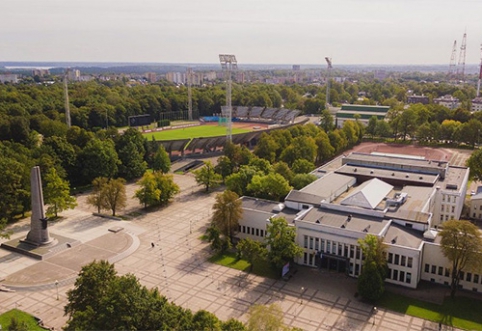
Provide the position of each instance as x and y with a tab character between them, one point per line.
326	185
303	197
367	108
276	209
394	159
339	219
425	179
454	176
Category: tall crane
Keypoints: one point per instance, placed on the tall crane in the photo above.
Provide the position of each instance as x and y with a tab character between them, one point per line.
480	74
452	66
461	65
189	93
328	76
66	97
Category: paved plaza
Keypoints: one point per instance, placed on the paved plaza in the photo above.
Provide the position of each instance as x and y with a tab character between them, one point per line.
177	265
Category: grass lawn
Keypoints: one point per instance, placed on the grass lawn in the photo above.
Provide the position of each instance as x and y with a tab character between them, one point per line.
262	268
463	313
192	132
21	316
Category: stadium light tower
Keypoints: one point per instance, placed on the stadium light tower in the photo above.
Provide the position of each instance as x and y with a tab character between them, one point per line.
328	76
189	93
66	97
480	74
228	64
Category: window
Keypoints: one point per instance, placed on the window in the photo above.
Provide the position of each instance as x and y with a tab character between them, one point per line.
402	263
443	197
252	231
311	242
441	218
442	209
462	274
409	225
402	276
390	257
317	244
453	209
340	249
328	246
455	199
469	277
395	274
351	268
476	278
257	232
389	273
239	228
357	252
357	269
408	278
305	258
352	251
244	229
427	267
434	269
446	217
322	248
305	242
473	215
333	248
448	198
397	259
346	251
409	262
262	233
310	262
447	272
440	271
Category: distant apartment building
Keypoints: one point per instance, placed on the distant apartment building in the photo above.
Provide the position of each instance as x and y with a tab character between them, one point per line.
73	75
41	72
176	77
447	101
348	112
9	78
476	104
151	77
209	76
423	99
380	74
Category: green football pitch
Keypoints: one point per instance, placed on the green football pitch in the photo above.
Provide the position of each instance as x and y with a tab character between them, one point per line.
202	131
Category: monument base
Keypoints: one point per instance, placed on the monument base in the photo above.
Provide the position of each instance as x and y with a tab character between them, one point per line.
57	244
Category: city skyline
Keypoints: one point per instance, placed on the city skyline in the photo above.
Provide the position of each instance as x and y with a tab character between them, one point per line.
277	32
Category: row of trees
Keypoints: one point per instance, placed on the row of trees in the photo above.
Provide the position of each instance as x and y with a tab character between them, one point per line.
103	300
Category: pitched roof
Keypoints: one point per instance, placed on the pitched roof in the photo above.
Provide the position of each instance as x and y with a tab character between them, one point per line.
368	195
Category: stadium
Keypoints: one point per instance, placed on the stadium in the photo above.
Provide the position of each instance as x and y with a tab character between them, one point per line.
209	133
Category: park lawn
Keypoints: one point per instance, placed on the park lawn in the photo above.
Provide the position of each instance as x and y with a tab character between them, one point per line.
21	316
201	131
262	268
463	313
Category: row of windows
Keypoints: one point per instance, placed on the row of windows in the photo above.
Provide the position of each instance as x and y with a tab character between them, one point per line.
251	231
332	247
449	198
452	208
401	260
400	276
309	259
441	271
475	207
446	217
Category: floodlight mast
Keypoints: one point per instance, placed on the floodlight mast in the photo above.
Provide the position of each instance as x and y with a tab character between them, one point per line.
66	98
228	64
189	93
328	76
480	74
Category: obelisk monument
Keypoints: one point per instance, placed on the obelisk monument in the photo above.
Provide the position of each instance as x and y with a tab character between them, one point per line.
39	232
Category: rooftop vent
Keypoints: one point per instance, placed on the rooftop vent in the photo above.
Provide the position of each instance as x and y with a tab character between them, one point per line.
451	186
354	170
348	219
366	229
393	174
317	222
406	176
394	240
371	171
420	177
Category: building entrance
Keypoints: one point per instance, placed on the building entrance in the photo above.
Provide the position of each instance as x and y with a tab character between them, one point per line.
332	262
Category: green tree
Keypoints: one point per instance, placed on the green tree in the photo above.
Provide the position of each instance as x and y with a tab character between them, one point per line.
98	159
266	148
165	183
161	161
302	147
224	167
372	126
238	182
301	180
16	325
267	318
57	194
461	244
148	194
280	240
272	186
302	166
233	325
474	162
326	120
324	149
283	169
251	250
97	198
374	271
207	176
227	211
115	194
206	321
132	164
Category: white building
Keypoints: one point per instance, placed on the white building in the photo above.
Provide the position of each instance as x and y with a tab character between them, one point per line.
447	101
9	78
476	104
398	198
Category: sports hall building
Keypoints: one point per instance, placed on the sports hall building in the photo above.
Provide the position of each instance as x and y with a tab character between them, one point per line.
402	199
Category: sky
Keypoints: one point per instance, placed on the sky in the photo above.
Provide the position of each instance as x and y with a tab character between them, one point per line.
256	31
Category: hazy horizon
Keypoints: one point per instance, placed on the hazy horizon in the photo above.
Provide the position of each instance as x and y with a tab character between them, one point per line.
281	32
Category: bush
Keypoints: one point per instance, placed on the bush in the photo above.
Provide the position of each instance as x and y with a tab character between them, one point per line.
163	123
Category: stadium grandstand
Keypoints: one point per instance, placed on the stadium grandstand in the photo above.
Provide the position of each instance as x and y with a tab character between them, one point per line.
273	115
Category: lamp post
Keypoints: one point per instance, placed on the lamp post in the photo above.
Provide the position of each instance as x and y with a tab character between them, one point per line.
301	296
374	314
57	286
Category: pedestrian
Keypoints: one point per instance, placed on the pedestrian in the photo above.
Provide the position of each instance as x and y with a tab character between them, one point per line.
152	245
440	325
